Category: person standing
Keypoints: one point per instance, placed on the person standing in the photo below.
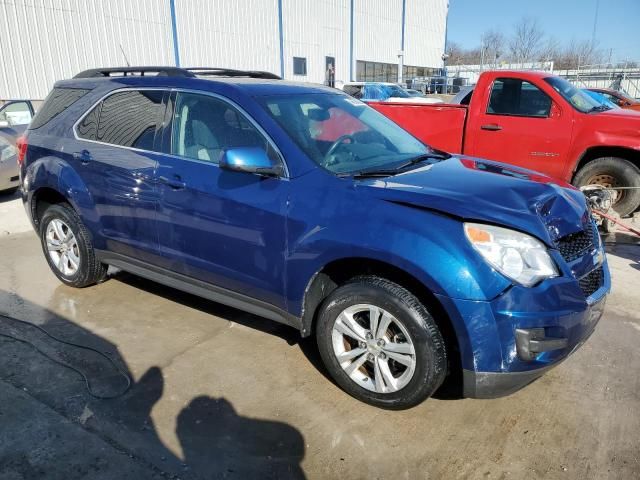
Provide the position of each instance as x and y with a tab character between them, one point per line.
330	76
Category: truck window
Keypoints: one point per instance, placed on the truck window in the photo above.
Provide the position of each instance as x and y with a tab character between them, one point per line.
512	96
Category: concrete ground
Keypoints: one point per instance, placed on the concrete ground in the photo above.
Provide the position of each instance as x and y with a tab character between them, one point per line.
218	393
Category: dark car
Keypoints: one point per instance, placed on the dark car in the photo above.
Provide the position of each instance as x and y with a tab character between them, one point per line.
303	205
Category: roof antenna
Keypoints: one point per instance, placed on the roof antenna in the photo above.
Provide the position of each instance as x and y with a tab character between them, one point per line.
125	56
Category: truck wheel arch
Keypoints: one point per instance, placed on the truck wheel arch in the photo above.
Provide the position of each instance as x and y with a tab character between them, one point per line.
592	153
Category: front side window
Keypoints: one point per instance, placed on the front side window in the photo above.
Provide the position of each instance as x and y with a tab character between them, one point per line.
512	96
341	133
130	118
205	126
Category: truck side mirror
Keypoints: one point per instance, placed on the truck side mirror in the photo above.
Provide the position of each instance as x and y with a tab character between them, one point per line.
555	111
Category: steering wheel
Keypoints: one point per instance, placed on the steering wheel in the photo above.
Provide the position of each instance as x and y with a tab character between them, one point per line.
334	146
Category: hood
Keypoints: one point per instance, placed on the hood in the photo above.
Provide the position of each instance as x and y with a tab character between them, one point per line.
479	190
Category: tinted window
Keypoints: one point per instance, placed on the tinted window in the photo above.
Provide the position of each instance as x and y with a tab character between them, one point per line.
88	126
353	90
56	102
299	66
204	126
511	96
130	118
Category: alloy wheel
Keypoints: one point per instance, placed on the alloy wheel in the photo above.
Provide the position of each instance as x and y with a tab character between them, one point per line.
62	246
373	348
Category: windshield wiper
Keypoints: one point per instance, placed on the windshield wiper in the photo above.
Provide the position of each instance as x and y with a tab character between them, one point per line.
388	172
599	108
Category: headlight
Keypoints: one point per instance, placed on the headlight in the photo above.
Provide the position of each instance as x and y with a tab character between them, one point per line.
519	257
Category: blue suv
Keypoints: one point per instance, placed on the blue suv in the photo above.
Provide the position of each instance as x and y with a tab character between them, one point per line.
303	205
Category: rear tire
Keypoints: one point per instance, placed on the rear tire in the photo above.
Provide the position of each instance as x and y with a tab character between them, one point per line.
395	366
67	246
613	172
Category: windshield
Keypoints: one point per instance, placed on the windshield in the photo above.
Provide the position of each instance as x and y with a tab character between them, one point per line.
342	134
576	97
600	98
395	91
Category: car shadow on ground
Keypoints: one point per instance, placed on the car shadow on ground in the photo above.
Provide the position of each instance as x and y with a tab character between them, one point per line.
7	196
216	442
451	389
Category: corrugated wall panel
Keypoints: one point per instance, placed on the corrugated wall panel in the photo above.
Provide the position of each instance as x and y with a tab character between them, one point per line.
425	32
378	29
48	40
315	29
232	34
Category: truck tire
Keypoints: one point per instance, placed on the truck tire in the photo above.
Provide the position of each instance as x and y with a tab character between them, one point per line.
67	246
380	344
613	172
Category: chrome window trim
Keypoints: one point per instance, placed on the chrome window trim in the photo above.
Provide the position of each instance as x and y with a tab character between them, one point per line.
248	117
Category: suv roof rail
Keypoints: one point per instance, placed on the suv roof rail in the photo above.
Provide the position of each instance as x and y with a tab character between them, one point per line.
230	72
174	72
125	71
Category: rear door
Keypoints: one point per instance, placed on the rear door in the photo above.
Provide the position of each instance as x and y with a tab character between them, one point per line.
221	227
520	125
116	154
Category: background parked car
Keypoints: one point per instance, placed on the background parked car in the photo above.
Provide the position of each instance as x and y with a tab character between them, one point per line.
619	98
9	177
16	112
383	92
415	93
600	98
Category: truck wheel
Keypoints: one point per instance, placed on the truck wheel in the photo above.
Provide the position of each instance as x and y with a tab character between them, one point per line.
66	244
613	172
380	344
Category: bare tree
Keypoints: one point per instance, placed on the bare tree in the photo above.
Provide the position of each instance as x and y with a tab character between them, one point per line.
492	47
526	40
578	54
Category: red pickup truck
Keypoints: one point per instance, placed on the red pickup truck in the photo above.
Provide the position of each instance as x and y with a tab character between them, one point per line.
538	121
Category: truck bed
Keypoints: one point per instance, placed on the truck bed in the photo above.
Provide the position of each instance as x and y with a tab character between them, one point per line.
440	125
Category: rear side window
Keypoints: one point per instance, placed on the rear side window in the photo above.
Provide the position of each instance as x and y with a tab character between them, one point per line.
56	102
511	96
128	119
88	126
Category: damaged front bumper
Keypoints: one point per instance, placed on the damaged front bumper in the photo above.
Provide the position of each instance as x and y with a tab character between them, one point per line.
509	342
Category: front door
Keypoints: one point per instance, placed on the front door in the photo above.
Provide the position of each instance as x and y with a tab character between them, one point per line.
222	227
520	125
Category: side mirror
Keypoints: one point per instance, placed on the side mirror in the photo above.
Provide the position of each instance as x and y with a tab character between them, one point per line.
4	124
250	160
555	111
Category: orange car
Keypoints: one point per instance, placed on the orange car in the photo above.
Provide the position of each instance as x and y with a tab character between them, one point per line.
621	99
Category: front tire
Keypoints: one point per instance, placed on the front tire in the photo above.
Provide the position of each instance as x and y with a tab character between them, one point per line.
380	344
67	246
611	172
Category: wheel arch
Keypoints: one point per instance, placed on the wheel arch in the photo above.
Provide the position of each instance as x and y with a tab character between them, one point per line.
593	153
337	272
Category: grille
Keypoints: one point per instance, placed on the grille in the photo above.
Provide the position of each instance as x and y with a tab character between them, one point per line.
592	281
575	245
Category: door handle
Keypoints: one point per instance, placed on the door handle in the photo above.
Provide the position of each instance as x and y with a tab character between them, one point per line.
492	127
175	183
83	157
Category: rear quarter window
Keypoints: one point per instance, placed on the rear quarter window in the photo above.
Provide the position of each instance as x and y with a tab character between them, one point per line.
57	102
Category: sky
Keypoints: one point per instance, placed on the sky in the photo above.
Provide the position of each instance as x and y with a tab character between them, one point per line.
617	28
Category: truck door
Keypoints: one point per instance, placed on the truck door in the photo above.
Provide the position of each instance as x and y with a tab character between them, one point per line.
521	125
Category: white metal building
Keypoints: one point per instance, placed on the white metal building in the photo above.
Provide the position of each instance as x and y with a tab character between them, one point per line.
47	40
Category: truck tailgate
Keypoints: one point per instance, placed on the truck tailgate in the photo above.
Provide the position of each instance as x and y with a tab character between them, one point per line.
439	125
